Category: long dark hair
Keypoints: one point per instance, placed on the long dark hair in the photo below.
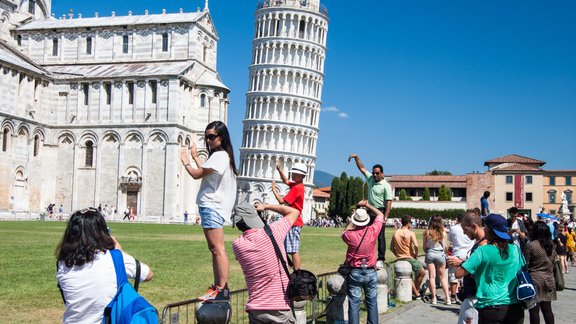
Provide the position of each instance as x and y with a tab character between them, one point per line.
500	243
226	144
541	233
435	229
85	235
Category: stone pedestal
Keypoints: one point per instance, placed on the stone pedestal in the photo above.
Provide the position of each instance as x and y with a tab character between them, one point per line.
382	291
403	281
300	311
337	309
214	313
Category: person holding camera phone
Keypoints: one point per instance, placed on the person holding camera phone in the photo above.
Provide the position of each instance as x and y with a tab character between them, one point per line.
361	257
265	277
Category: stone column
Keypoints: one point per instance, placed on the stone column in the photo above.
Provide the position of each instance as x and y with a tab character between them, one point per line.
300	311
403	281
337	301
382	291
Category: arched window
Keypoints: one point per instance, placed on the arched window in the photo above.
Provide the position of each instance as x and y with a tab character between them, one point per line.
164	42
89	45
5	136
89	153
36	145
202	100
568	194
552	196
55	47
301	28
125	44
32	6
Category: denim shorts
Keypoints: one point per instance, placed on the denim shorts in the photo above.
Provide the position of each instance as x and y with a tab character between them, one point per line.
436	257
210	218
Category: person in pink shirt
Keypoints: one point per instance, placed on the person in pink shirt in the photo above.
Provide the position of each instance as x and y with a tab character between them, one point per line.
361	256
265	277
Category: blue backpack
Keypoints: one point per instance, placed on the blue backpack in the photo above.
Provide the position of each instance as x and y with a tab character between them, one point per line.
128	306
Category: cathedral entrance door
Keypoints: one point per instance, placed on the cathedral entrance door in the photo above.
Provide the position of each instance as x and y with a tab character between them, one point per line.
132	201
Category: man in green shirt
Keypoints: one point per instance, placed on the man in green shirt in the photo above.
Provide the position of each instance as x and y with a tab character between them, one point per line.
380	196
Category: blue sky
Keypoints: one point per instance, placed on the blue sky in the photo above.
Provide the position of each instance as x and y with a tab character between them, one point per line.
419	85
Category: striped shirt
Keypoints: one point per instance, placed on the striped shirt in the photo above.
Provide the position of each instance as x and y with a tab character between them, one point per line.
265	277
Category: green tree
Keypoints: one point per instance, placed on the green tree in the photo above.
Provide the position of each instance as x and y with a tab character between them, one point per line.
444	193
426	194
403	195
438	172
357	189
343	199
335	192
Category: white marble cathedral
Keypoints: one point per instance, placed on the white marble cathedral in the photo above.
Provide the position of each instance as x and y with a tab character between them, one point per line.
93	110
283	101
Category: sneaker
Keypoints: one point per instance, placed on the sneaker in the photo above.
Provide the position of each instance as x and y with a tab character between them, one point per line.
434	301
448	301
452	299
416	297
209	294
379	264
223	294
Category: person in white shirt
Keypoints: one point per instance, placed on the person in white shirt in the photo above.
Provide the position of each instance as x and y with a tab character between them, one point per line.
86	274
460	244
215	199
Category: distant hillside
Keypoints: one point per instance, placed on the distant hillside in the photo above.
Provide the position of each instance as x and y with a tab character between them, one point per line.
322	179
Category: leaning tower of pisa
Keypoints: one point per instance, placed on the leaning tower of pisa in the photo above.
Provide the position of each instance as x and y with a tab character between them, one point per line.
284	97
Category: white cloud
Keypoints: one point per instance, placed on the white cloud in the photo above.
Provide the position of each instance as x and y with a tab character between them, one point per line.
343	115
331	108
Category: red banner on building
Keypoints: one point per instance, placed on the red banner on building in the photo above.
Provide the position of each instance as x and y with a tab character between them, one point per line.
518	191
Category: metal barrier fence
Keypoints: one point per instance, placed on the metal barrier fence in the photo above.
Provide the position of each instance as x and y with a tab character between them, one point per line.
184	312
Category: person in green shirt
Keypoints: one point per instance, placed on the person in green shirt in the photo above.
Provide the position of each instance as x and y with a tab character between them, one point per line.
494	267
379	196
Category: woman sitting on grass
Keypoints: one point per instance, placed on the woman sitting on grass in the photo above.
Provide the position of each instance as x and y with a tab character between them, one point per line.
86	274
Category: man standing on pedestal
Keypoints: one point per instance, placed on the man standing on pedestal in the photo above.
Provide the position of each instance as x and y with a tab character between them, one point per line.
379	196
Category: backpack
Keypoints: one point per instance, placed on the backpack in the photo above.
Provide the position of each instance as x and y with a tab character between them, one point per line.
128	306
302	284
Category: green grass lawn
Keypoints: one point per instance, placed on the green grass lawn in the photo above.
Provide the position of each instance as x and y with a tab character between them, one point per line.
176	253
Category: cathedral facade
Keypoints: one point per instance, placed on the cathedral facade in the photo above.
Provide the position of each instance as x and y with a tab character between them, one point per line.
283	102
94	110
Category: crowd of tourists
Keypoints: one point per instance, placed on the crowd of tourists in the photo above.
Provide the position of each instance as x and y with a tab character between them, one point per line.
475	259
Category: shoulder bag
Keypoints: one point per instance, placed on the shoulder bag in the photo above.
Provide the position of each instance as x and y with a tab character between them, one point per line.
302	284
558	275
344	269
525	290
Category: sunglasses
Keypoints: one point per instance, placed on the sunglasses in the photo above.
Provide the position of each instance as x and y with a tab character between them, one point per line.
89	209
211	137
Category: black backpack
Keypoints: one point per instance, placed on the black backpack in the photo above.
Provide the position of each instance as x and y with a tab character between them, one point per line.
302	284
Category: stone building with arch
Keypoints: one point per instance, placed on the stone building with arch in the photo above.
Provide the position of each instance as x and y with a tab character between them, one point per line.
283	101
94	110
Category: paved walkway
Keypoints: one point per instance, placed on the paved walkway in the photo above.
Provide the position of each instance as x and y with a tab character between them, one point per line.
418	312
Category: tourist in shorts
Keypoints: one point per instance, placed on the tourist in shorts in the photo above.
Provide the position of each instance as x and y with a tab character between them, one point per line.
436	257
404	245
295	199
215	198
